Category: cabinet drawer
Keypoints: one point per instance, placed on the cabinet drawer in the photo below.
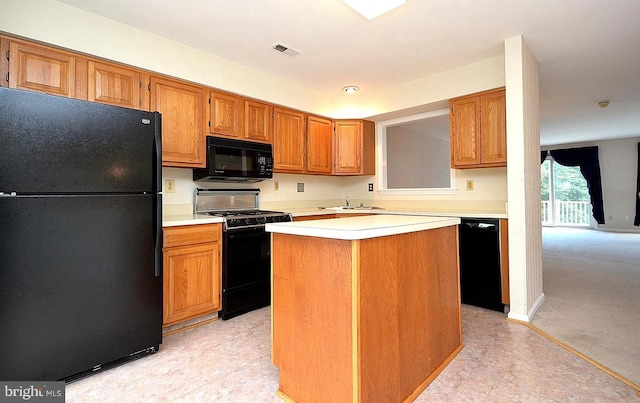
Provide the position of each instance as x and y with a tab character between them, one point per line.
191	234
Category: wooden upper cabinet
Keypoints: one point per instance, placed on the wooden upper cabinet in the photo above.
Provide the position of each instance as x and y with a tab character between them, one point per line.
354	147
288	141
493	129
319	145
115	85
257	121
43	69
478	130
180	103
225	114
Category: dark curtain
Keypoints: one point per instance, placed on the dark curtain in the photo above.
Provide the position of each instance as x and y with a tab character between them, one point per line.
543	156
587	159
637	220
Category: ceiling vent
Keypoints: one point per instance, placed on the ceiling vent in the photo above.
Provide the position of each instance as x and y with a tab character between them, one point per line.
285	49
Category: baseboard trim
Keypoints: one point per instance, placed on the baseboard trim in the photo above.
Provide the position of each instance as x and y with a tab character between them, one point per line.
529	315
584	357
620	230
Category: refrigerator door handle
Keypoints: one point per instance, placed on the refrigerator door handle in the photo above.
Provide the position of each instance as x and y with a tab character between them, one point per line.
158	237
158	184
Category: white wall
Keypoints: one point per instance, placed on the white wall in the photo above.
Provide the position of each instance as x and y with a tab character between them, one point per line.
523	177
58	24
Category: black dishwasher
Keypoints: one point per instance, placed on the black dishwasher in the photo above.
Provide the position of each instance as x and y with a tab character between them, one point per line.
480	263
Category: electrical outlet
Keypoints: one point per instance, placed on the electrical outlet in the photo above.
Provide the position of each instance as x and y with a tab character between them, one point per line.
469	184
169	185
626	218
371	187
276	185
300	186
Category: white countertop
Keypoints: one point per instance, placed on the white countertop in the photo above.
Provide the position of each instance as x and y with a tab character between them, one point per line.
352	228
189	219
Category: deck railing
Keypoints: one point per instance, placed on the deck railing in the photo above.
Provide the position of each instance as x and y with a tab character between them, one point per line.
576	213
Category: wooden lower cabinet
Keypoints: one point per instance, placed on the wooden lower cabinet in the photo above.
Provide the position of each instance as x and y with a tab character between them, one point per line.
192	271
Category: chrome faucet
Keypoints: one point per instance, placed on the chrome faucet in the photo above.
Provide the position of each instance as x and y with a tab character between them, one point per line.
346	199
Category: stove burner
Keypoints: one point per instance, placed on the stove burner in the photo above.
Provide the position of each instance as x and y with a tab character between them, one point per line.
234	213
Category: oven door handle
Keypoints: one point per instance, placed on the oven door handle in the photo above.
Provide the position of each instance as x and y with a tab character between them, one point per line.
246	233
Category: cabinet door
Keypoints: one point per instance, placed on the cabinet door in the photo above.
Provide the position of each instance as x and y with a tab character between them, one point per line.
348	151
288	141
192	284
225	114
183	140
38	68
465	136
493	128
257	121
319	145
4	61
115	85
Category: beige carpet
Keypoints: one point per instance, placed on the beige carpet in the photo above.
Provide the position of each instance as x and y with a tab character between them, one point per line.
592	295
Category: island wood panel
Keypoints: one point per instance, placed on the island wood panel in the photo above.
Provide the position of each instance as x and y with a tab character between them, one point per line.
312	318
409	311
366	320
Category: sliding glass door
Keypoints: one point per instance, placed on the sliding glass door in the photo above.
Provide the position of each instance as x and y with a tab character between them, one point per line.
565	196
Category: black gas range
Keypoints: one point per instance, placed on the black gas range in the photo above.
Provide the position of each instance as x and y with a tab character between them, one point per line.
246	247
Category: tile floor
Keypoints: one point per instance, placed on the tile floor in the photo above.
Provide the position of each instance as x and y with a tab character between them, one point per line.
229	361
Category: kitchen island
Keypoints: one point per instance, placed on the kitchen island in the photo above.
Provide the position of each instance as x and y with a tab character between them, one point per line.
364	309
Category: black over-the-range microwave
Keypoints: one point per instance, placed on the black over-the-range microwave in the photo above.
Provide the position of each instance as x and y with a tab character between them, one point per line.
236	161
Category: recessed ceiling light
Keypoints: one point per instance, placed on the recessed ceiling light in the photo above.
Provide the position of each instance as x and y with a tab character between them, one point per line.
371	9
350	89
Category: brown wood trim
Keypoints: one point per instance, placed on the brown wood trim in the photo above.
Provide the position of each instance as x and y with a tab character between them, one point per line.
504	260
579	354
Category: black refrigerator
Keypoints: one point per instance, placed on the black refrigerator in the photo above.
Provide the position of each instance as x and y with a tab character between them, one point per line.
80	236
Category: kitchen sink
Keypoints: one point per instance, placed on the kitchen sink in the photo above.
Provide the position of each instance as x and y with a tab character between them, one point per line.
351	207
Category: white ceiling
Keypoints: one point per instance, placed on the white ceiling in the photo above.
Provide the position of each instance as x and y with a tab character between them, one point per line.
588	50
